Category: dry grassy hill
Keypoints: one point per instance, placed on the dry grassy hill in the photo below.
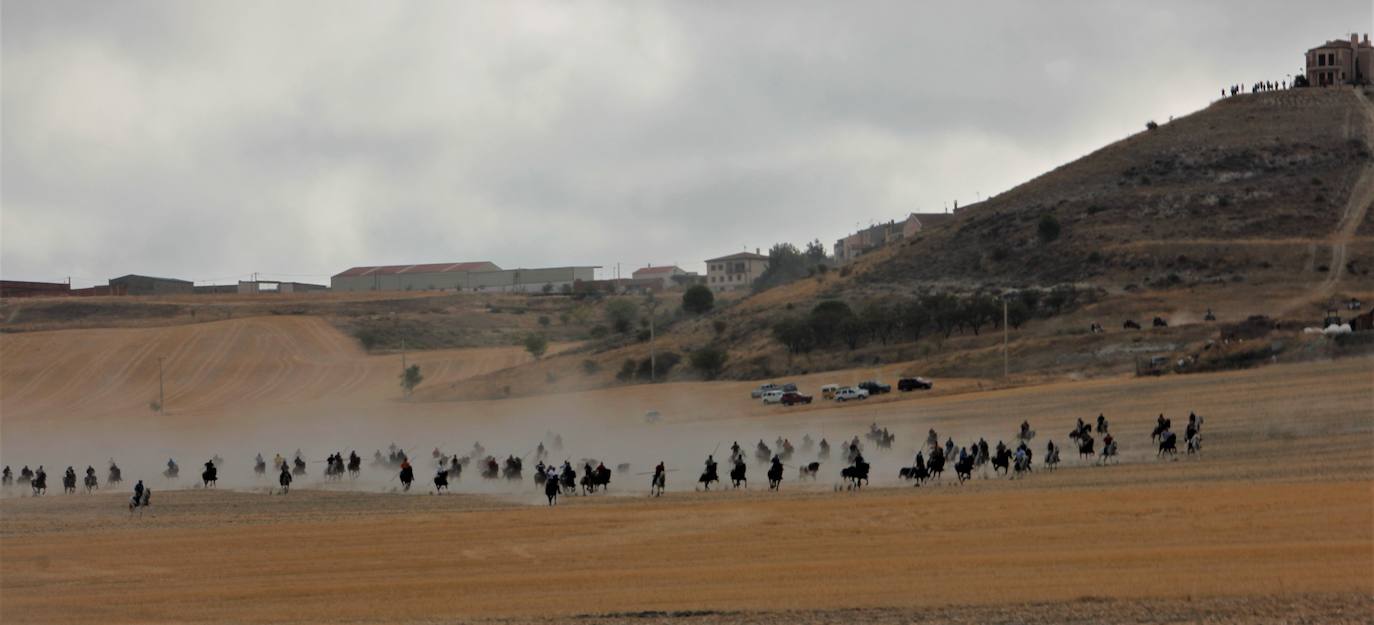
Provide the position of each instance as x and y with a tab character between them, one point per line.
1257	204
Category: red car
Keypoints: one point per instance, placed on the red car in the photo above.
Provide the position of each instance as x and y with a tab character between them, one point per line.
789	399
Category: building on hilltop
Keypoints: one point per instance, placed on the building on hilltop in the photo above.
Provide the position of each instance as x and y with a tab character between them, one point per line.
21	288
670	275
468	276
874	237
1340	62
735	272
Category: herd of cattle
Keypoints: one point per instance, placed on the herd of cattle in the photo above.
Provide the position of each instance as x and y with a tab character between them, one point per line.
563	479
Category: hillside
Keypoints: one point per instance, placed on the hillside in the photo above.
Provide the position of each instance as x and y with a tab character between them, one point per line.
1256	205
1250	188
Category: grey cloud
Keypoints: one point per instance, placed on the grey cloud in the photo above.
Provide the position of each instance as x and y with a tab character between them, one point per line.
211	139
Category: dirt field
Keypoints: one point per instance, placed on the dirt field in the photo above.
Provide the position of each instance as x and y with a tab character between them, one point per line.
1274	521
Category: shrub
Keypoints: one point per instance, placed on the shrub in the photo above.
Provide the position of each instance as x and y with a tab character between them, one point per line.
621	314
1048	228
661	364
1151	125
627	371
544	321
536	345
590	367
709	361
599	332
698	299
411	378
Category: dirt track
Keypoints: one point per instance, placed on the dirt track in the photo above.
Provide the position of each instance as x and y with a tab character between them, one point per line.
1278	510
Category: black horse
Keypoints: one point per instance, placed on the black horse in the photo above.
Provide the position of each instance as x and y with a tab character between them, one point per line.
90	481
567	480
259	467
407	476
936	465
1168	444
39	482
210	475
738	473
1085	447
441	481
69	481
1130	325
551	490
775	476
919	473
114	477
856	474
1001	460
299	466
284	479
963	469
1159	322
598	478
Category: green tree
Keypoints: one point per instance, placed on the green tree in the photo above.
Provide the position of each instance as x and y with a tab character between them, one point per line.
786	264
698	299
1048	228
815	252
621	314
827	320
411	378
709	361
915	318
879	320
544	321
795	334
1017	313
536	344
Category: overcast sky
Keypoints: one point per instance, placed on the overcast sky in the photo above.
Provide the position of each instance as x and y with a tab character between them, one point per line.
207	140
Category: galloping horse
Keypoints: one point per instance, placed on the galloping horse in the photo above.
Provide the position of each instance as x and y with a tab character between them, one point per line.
91	482
737	474
808	470
856	474
1168	444
69	481
210	475
140	502
441	481
963	469
775	476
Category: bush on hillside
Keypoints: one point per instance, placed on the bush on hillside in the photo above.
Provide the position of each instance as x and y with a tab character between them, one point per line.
698	299
709	361
1048	228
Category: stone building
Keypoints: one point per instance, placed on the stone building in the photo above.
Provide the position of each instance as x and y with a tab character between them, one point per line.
1340	62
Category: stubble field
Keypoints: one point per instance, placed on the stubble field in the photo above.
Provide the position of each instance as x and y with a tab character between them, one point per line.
1274	523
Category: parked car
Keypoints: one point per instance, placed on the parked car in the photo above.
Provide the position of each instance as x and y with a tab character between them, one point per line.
789	399
828	391
875	387
652	416
914	384
758	392
789	388
773	397
849	392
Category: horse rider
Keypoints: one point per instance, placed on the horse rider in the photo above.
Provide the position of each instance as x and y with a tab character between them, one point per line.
1025	428
1107	442
71	474
859	460
25	474
734	449
983	448
171	465
825	446
1020	455
658	471
279	461
1101	422
90	471
963	454
932	438
806	441
711	464
540	452
920	463
8	477
787	446
138	491
551	472
210	465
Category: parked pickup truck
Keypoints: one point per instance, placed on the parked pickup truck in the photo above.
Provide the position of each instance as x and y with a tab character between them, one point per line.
793	398
875	387
914	384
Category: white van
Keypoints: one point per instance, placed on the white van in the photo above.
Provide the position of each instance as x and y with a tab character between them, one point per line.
829	390
773	397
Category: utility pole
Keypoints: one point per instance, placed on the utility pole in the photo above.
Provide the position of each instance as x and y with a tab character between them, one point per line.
1004	337
161	400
